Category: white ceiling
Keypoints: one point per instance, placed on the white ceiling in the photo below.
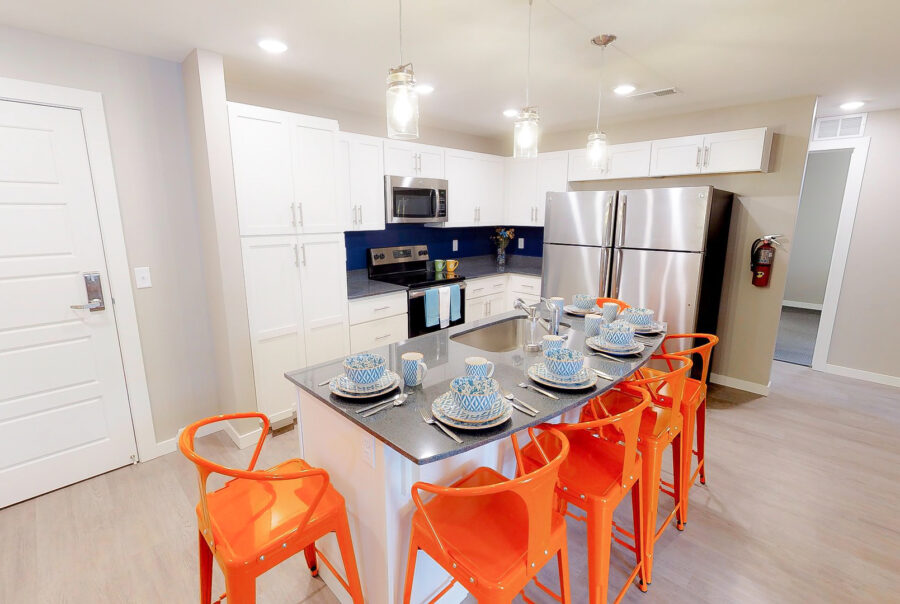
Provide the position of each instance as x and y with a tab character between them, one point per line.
716	52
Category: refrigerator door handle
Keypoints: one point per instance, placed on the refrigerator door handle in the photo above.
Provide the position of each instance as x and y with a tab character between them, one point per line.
605	282
610	227
616	276
620	220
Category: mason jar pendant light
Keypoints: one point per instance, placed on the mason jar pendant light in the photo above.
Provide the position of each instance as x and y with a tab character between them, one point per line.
402	98
527	128
596	143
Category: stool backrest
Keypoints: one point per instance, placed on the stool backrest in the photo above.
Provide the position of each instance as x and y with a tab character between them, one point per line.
704	349
622	305
666	387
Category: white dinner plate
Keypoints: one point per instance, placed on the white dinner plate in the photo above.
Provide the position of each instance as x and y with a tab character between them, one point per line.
580	312
653	328
621	351
447	399
342	386
540	374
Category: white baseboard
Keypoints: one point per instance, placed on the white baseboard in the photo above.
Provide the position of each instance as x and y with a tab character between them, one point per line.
241	440
170	445
859	374
744	385
806	305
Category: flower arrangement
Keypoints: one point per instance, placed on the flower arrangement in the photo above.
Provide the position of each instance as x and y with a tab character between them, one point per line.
502	236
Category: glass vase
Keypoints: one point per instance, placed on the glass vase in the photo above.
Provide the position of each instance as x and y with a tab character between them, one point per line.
501	256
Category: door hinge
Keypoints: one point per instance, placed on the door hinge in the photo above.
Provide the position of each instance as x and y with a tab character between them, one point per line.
133	458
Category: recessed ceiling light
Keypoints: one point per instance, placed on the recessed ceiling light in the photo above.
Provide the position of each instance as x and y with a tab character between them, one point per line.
624	89
273	46
510	112
851	105
424	88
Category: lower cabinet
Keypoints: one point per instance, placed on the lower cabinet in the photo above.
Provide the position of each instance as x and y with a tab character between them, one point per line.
296	310
486	297
378	321
525	287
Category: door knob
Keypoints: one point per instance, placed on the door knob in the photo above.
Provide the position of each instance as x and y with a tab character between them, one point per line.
94	291
92	305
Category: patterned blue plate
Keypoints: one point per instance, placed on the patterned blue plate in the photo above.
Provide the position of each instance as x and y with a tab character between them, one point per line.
574	310
445	401
343	386
449	408
653	328
598	344
540	374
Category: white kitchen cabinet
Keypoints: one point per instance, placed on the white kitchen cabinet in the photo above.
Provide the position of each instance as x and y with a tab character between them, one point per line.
372	334
476	188
674	156
627	160
490	200
275	309
283	171
360	181
412	159
737	151
322	259
552	176
520	177
372	308
526	287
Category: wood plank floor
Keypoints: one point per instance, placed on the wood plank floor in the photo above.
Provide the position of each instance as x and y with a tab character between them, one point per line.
801	506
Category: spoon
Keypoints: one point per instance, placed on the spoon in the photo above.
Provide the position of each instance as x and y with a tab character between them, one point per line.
516	404
400	400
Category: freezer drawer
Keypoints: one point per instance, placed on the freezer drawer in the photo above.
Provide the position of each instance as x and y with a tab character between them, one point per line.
575	269
580	218
667	282
663	219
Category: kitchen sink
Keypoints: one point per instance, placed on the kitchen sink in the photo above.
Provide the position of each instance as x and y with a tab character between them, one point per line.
506	335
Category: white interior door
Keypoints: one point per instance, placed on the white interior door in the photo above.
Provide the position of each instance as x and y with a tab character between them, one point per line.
64	413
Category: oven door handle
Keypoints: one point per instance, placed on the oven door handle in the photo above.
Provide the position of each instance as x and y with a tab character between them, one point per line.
418	293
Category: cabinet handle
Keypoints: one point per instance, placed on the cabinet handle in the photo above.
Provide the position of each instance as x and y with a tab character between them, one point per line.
359	211
487	310
303	249
699	154
498	285
706	156
294	215
296	256
387	335
526	286
380	308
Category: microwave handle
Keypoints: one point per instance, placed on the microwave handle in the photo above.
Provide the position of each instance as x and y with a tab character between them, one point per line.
435	195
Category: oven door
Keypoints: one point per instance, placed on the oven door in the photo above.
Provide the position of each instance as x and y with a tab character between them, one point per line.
419	200
417	311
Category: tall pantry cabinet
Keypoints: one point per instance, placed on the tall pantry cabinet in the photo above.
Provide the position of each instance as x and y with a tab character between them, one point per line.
293	246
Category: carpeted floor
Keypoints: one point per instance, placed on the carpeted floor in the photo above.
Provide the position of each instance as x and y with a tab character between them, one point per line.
797	335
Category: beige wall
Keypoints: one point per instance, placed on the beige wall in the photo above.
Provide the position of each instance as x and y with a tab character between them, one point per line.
765	204
145	113
811	246
870	291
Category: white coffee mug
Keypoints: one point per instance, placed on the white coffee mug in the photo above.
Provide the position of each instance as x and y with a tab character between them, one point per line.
610	311
414	368
479	367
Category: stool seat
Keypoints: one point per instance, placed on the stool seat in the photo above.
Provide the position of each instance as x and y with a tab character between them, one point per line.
656	420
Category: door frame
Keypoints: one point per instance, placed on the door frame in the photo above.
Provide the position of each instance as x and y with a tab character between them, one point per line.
96	136
859	153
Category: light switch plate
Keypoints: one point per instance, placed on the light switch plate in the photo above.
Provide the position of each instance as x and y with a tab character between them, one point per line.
142	277
521	243
455	245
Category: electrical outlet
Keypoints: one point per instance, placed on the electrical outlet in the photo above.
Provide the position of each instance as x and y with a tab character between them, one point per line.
455	245
368	450
521	243
142	277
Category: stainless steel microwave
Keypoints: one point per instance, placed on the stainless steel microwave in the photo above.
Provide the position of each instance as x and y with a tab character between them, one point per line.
410	199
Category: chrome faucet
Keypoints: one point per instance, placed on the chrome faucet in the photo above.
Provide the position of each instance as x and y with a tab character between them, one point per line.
530	311
533	314
555	315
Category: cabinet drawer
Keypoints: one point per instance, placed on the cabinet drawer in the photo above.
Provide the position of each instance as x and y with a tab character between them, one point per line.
485	286
377	307
523	284
373	334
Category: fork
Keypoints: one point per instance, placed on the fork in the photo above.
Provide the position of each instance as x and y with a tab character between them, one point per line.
430	420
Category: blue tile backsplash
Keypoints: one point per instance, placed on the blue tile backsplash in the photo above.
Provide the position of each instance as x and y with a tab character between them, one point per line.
473	241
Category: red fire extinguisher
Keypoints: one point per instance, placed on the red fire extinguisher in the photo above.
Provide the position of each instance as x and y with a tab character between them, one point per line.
762	256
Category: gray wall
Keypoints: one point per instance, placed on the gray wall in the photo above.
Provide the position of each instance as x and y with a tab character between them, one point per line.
145	113
813	242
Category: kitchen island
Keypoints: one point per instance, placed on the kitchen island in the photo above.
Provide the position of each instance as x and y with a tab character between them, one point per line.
374	461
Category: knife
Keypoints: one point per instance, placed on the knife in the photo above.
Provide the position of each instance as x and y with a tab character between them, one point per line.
542	391
507	394
380	403
605	376
523	409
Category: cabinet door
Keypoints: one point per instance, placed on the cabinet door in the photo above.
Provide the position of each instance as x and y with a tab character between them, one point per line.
521	188
367	182
495	304
552	176
261	154
272	278
580	170
343	182
462	176
737	151
431	162
671	156
490	190
628	160
323	287
400	159
314	183
476	309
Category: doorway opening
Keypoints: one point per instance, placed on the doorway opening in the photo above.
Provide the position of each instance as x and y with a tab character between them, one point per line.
812	248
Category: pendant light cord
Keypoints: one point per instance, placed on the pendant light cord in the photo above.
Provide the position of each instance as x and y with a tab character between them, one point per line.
600	91
528	68
400	28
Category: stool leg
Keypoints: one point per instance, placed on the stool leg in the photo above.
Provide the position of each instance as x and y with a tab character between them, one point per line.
650	469
701	439
240	589
637	514
678	455
206	560
562	561
310	553
599	536
345	542
410	568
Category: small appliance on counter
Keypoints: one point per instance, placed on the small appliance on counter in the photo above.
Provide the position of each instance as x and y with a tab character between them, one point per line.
407	266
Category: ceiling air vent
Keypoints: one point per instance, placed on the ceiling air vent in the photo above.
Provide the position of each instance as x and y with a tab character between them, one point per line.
660	92
840	126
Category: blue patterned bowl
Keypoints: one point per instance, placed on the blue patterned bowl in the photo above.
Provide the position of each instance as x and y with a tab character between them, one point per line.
639	316
475	394
364	368
584	301
563	361
618	333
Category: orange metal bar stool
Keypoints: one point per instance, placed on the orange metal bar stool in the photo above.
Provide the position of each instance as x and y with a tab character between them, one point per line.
493	534
597	475
662	424
622	305
263	517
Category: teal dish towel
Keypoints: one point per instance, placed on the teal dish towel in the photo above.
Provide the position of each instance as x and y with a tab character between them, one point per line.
454	303
432	312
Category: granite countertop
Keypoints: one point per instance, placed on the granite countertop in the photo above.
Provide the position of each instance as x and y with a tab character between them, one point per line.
402	428
471	267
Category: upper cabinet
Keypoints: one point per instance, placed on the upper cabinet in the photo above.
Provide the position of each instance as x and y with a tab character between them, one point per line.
283	171
475	195
552	170
734	151
412	159
629	160
527	183
360	181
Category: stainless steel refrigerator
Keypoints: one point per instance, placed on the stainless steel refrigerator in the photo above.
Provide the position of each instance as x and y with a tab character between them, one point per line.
666	250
